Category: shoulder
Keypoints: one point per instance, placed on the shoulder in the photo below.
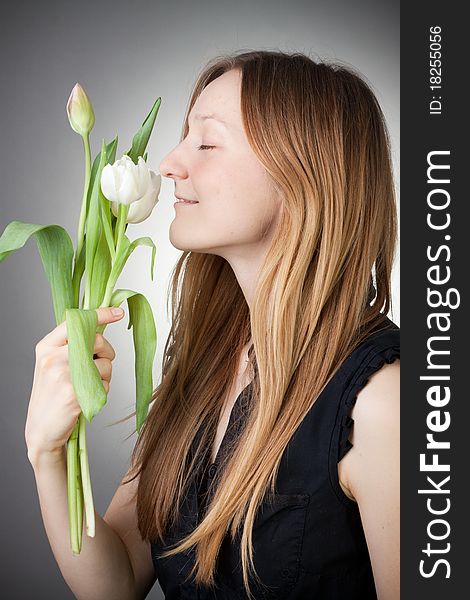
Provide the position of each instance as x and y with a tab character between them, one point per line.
368	374
376	431
371	472
377	405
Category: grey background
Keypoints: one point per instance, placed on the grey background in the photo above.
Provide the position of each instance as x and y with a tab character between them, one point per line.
125	55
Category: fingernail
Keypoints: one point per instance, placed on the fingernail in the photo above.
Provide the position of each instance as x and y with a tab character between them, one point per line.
117	311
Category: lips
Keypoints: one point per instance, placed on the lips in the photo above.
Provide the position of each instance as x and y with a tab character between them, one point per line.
184	201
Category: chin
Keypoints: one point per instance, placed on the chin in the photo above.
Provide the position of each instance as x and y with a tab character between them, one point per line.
188	247
182	243
185	242
178	240
182	247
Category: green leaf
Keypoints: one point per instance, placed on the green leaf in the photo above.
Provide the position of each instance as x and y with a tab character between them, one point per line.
111	157
93	231
120	260
141	138
56	251
144	241
145	345
77	275
125	251
101	270
86	379
111	150
105	212
107	217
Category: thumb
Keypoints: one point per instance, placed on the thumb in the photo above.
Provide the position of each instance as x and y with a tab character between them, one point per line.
108	315
58	336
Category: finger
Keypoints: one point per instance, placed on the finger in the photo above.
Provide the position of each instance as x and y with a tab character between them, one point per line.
102	348
58	336
104	367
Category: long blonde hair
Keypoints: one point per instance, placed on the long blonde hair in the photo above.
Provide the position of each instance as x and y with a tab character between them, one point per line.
320	133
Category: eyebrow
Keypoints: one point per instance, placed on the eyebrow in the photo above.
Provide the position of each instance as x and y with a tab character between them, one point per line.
205	116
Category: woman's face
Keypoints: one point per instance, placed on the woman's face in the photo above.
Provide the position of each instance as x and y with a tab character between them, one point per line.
236	204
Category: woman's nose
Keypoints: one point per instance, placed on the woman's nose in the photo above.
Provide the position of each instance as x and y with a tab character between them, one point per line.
164	168
170	166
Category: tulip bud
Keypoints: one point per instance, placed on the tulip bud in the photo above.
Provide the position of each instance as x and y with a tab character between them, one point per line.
80	111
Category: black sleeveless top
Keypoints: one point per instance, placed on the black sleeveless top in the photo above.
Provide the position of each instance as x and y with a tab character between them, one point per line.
309	542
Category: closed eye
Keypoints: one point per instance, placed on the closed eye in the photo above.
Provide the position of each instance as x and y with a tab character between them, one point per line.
204	147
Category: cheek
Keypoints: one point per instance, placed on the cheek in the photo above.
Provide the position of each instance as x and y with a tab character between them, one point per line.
236	199
242	220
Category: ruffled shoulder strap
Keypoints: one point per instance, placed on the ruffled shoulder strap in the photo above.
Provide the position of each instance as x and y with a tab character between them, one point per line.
379	348
375	362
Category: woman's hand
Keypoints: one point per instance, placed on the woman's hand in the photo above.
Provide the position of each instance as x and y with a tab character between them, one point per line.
53	407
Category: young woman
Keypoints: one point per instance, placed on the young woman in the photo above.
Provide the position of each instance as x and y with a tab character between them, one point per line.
248	478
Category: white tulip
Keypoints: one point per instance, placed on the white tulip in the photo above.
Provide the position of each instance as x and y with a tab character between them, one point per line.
134	185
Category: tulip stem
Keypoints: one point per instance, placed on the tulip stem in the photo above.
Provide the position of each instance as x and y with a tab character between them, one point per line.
72	489
121	226
86	481
84	208
83	211
119	232
79	500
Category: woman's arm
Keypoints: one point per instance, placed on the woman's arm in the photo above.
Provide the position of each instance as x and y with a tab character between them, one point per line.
371	472
113	564
103	568
121	515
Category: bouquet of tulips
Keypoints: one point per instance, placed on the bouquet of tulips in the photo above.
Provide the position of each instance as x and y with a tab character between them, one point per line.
115	194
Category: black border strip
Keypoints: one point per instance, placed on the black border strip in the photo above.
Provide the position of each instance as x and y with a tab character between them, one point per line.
426	254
